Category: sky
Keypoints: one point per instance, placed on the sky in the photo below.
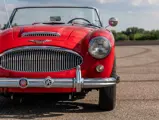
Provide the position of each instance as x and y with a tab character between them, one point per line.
130	13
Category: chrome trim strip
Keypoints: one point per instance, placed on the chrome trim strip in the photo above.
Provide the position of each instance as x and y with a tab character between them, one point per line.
40	47
26	34
79	83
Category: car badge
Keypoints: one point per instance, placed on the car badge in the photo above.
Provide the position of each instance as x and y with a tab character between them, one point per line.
40	41
48	82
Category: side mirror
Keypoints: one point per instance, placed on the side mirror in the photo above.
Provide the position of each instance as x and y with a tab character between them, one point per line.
113	22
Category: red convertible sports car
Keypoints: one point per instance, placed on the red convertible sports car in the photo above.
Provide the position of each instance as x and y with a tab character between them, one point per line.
58	50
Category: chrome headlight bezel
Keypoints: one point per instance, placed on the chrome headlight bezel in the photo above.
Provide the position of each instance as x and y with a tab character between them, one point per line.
106	45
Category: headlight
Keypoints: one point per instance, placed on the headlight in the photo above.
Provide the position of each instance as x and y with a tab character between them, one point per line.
99	47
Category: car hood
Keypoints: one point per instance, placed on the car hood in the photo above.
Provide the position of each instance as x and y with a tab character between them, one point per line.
69	37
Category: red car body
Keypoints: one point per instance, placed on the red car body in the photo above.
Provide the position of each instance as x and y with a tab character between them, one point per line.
75	38
72	37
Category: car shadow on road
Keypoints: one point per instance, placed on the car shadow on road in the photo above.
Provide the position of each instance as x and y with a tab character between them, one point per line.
43	108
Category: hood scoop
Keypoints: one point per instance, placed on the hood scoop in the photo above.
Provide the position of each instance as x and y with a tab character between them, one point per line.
40	34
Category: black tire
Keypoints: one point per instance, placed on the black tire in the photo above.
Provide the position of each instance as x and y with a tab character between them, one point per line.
107	98
107	95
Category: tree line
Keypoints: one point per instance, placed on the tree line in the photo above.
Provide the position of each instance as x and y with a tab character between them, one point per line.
135	33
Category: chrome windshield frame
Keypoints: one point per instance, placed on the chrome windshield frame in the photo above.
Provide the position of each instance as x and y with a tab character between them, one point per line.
16	9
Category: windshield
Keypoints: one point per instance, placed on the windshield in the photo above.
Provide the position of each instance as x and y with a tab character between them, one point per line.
31	15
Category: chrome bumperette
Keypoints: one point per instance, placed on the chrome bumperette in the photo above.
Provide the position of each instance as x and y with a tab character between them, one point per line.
78	82
40	34
40	59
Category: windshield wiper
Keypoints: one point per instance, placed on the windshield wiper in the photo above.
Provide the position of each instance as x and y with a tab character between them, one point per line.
87	24
58	22
91	24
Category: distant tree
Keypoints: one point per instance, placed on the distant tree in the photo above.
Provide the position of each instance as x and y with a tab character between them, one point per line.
155	34
139	36
140	30
121	37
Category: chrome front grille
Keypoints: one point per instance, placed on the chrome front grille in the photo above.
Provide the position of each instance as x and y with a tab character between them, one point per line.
40	34
40	59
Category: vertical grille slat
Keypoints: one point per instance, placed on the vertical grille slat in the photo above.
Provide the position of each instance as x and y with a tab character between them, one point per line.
14	61
40	59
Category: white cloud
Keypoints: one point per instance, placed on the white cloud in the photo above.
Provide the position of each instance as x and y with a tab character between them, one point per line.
130	12
8	6
133	2
136	2
106	1
153	1
144	2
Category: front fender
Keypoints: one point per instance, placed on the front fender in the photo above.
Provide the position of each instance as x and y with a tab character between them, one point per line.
91	63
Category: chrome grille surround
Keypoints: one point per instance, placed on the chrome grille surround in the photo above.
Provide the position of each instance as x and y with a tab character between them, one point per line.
40	34
40	59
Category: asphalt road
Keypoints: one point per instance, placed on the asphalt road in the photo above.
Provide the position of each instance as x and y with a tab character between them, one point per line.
137	94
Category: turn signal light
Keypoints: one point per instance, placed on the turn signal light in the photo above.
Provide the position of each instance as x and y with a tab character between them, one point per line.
100	68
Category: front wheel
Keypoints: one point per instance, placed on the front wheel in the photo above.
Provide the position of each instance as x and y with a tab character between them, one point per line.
107	95
107	98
